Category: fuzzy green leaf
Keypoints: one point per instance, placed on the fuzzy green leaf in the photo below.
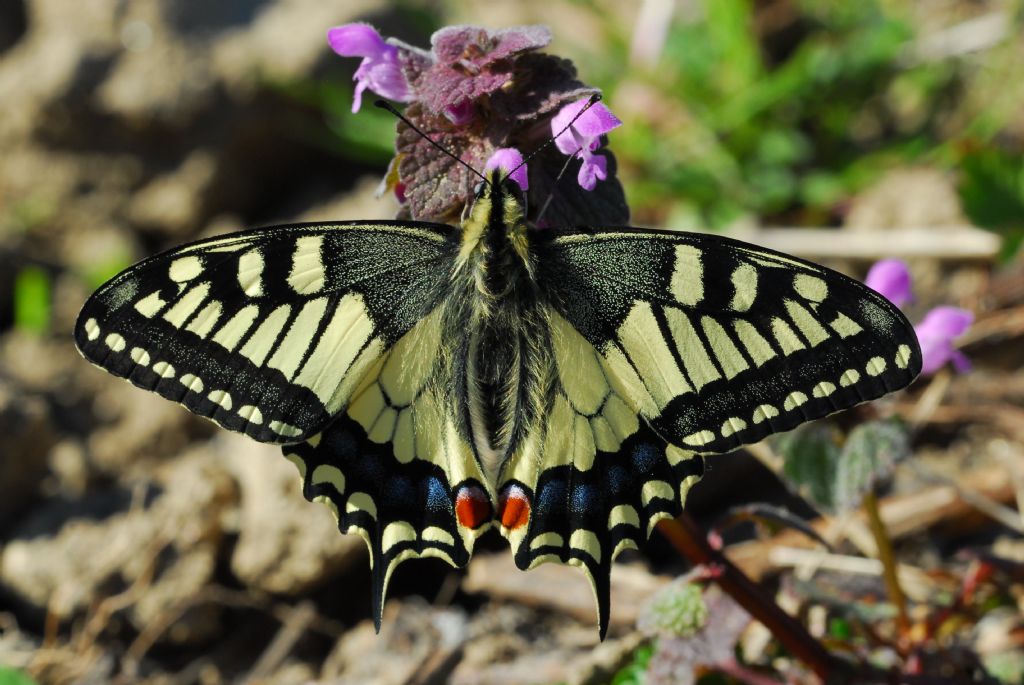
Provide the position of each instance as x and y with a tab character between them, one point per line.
871	451
810	456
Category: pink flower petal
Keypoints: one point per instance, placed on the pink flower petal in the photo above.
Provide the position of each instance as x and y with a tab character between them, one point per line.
593	169
460	113
891	278
945	321
584	135
936	334
356	40
507	159
379	71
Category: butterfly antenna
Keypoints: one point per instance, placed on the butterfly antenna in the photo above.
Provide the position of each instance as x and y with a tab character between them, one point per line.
590	103
389	107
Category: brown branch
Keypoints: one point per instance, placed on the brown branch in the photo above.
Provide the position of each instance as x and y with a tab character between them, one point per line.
687	537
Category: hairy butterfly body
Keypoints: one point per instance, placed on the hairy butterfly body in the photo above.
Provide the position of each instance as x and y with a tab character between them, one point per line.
562	385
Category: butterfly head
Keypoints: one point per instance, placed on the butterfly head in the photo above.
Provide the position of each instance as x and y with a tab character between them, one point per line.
498	202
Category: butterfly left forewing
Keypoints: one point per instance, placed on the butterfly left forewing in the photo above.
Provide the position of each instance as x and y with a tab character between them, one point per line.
267	332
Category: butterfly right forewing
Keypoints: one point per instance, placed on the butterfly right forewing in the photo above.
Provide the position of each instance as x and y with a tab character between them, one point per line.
717	343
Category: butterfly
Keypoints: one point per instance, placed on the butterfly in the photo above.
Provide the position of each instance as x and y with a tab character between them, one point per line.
561	385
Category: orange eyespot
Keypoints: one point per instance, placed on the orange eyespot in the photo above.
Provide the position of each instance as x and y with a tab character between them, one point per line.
472	507
513	508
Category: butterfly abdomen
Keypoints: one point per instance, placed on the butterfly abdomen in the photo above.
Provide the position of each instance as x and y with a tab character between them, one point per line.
506	328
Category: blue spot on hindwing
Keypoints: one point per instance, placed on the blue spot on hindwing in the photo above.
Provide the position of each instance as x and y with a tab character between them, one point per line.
618	482
645	457
400	492
552	498
585	498
438	499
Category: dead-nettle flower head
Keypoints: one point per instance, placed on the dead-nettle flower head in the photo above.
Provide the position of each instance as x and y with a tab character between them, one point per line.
940	326
478	92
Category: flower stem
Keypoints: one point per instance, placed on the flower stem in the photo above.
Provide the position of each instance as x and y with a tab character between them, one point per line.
885	554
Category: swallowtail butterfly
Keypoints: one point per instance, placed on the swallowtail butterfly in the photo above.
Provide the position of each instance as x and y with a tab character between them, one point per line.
562	385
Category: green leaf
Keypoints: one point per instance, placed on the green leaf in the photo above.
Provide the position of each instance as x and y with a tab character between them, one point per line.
1006	667
833	473
810	455
12	676
32	300
871	452
678	609
730	27
839	628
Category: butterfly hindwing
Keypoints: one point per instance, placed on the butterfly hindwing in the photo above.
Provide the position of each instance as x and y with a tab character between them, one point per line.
590	478
665	346
717	343
397	466
267	332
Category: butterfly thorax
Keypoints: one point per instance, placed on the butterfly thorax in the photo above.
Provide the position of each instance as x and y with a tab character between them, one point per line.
506	334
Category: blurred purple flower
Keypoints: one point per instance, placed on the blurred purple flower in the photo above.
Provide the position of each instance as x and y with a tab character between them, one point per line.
936	334
940	327
379	71
583	137
507	159
891	278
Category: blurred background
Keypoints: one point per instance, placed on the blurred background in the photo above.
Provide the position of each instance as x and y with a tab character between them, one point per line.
140	544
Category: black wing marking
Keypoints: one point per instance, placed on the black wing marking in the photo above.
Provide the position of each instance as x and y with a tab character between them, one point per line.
267	332
717	343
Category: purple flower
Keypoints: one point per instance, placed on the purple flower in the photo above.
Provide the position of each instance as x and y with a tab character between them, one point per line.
507	159
379	71
891	278
476	90
936	334
583	137
941	325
